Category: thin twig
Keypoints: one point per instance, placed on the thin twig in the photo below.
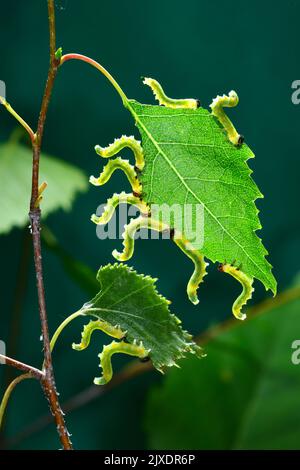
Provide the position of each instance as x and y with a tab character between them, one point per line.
53	67
48	382
23	123
21	366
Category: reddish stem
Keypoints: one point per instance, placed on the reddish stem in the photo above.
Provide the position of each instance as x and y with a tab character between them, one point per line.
38	374
48	380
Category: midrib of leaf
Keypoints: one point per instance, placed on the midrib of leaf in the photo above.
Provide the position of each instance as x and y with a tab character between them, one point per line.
156	144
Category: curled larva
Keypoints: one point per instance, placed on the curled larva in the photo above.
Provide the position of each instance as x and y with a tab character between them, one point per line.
246	294
200	267
164	100
217	105
114	331
135	349
119	144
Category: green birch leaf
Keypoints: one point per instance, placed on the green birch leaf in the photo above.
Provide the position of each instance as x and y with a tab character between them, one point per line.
64	182
129	302
245	395
190	160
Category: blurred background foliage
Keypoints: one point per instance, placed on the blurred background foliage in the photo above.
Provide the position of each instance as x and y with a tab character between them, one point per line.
194	48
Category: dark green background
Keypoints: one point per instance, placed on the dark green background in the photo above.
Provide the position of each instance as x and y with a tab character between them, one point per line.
194	48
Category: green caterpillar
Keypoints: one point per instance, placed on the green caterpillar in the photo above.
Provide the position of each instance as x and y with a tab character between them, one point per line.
114	347
246	294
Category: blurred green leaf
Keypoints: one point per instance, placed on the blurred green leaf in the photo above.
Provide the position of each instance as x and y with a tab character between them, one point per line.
244	395
64	182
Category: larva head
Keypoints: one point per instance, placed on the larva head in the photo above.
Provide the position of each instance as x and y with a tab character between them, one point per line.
145	359
241	140
220	267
